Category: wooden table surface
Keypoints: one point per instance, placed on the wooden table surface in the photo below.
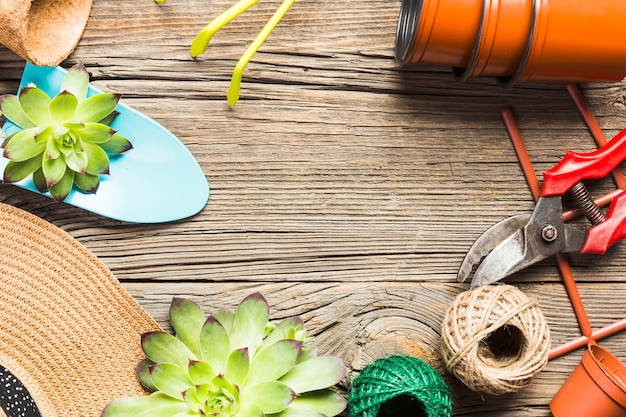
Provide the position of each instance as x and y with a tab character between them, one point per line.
346	190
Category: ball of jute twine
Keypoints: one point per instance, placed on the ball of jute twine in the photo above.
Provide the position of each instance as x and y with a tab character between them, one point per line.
393	376
495	339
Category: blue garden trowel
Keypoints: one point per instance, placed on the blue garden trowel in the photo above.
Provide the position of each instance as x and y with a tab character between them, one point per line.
156	181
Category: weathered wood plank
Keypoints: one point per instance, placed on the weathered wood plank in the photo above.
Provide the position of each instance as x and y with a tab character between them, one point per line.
344	189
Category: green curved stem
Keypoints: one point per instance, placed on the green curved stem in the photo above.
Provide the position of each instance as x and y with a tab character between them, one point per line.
235	82
201	41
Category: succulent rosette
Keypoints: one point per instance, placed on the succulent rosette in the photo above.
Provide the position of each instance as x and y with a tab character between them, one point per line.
233	363
64	140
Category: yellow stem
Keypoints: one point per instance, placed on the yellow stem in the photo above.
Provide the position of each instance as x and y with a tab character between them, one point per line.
201	41
235	83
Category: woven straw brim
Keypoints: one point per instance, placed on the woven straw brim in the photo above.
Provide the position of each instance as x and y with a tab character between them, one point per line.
68	330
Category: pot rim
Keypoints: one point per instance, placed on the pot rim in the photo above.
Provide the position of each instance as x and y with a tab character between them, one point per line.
406	33
607	380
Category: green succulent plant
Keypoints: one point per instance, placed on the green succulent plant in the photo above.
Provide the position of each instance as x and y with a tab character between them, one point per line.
233	363
64	140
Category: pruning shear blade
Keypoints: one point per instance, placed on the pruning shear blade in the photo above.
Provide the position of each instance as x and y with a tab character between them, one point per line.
543	234
485	242
508	257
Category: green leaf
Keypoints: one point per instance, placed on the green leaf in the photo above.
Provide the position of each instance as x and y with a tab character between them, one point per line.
191	398
66	145
225	399
307	353
214	344
110	118
325	402
17	171
52	149
314	374
96	108
237	366
39	180
76	81
283	331
35	104
94	132
228	389
163	347
201	372
250	410
117	144
189	413
271	396
97	159
170	379
87	182
226	317
62	189
291	411
165	411
7	139
142	369
187	319
46	134
12	109
268	329
274	362
59	132
131	406
77	161
24	145
63	107
204	390
251	318
53	169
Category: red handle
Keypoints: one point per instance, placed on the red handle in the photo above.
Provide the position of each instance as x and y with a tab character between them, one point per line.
601	236
575	167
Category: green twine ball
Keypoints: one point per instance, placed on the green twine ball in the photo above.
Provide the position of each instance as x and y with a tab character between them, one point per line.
394	376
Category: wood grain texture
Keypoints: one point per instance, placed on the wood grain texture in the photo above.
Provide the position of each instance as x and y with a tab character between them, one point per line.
344	189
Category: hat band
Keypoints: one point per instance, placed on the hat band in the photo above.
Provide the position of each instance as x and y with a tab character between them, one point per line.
15	400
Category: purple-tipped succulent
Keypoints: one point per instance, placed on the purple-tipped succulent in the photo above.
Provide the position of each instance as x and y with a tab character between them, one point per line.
65	140
233	364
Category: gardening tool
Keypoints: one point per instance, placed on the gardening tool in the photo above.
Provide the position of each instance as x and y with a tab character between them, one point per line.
157	181
523	240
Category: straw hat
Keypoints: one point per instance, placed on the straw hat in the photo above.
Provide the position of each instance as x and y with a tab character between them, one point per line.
69	332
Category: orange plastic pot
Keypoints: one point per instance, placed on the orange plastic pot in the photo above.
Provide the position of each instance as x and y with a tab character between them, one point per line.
505	27
596	388
577	41
439	32
517	40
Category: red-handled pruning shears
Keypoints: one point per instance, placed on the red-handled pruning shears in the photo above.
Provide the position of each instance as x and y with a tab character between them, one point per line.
523	240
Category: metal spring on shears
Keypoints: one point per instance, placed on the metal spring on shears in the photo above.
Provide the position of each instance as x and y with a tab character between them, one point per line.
583	200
